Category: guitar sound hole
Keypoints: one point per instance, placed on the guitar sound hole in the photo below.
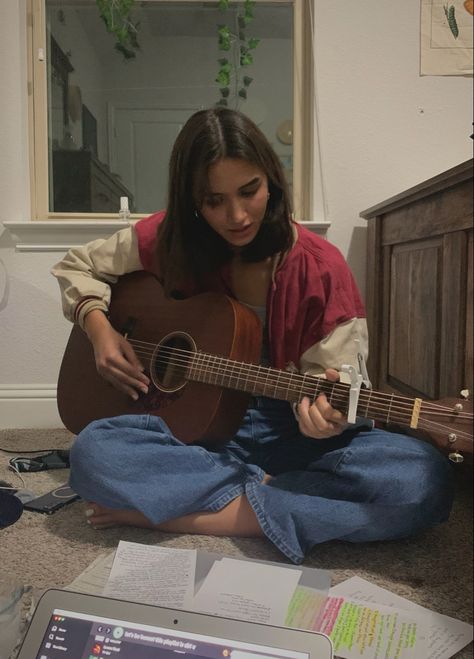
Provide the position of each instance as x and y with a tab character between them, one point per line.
170	362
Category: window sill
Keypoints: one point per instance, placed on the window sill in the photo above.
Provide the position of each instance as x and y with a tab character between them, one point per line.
59	236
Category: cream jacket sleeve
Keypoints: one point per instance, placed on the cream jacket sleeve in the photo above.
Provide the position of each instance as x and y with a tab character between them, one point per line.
341	346
85	273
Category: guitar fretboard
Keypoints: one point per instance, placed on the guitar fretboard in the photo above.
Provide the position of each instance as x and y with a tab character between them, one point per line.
293	387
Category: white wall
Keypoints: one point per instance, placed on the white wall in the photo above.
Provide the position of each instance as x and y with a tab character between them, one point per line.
383	128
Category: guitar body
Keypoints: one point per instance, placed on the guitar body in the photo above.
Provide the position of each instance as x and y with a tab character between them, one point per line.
194	411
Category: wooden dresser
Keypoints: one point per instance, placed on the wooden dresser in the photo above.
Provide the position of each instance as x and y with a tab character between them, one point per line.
83	184
420	287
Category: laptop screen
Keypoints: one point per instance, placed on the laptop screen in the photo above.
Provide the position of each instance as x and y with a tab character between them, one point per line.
83	636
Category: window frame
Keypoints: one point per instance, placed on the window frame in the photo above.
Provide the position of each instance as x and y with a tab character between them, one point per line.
306	178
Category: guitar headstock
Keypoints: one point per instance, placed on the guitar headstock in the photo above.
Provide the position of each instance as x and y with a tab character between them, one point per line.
449	423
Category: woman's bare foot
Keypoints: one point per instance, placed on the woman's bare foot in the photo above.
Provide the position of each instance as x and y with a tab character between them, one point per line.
100	517
237	519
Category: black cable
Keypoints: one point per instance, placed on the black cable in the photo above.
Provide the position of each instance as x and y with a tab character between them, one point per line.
38	450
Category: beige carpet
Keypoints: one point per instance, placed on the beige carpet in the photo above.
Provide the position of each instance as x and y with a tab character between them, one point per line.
433	569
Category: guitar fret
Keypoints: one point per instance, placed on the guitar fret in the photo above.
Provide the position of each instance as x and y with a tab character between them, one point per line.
192	368
208	369
303	381
389	407
227	373
265	383
194	371
331	395
288	387
275	387
254	388
237	377
368	403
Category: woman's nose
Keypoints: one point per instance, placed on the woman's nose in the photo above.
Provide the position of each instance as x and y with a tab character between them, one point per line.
236	210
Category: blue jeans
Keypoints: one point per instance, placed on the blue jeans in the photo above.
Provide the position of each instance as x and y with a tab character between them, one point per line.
365	484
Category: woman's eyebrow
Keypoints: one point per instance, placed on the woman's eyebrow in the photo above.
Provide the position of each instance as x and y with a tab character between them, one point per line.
256	179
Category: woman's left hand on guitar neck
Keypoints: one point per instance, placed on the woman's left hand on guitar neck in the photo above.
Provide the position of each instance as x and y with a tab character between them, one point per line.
319	419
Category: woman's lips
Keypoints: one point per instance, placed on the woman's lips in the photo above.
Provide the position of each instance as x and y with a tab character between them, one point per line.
241	230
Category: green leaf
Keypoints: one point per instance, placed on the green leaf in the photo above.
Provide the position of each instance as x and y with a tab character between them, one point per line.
246	59
223	101
225	66
225	91
224	35
247	80
248	16
243	93
223	4
223	31
223	78
253	43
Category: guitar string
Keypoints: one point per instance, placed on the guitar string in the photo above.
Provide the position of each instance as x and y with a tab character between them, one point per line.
402	417
279	373
423	424
185	363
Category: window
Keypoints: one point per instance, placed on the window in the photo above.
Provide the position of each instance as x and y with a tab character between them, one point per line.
104	125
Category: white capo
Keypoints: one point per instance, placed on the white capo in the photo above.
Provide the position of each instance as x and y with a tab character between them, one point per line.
357	380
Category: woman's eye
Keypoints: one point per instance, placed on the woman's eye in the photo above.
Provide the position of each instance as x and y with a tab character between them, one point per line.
213	202
248	193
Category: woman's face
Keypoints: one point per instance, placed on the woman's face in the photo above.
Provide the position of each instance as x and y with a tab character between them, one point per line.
237	199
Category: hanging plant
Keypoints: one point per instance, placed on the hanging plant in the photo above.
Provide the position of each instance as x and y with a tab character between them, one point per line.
240	48
116	15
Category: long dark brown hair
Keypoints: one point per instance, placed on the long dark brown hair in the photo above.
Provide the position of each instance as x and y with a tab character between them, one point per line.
187	247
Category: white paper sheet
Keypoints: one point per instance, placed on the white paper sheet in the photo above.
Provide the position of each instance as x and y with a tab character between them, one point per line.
94	578
446	635
152	575
247	591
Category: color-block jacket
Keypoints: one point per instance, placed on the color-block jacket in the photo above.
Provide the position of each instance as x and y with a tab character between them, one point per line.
315	316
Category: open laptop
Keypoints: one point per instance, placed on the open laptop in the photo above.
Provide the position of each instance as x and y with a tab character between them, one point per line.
79	626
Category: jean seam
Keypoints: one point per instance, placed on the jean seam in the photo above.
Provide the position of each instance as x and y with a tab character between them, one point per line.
266	528
226	498
238	489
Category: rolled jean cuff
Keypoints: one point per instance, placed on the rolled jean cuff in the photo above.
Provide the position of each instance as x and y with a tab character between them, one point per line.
294	551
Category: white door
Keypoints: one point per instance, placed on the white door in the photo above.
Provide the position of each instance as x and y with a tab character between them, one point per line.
140	143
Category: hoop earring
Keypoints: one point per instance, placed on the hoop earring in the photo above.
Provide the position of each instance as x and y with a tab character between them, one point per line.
196	214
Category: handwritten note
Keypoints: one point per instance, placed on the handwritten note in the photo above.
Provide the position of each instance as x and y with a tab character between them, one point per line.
152	575
369	632
304	608
447	636
247	591
94	578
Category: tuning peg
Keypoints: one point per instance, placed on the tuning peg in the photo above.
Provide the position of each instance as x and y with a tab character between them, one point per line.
465	393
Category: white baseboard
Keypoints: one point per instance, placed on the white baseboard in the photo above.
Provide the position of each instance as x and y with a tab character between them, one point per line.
29	406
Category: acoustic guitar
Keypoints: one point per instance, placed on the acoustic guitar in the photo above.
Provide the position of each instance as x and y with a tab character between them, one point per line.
204	373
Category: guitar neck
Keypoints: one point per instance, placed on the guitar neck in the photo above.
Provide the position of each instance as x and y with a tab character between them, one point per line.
293	387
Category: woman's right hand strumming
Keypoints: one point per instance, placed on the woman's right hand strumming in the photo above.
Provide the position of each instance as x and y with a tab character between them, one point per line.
115	358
